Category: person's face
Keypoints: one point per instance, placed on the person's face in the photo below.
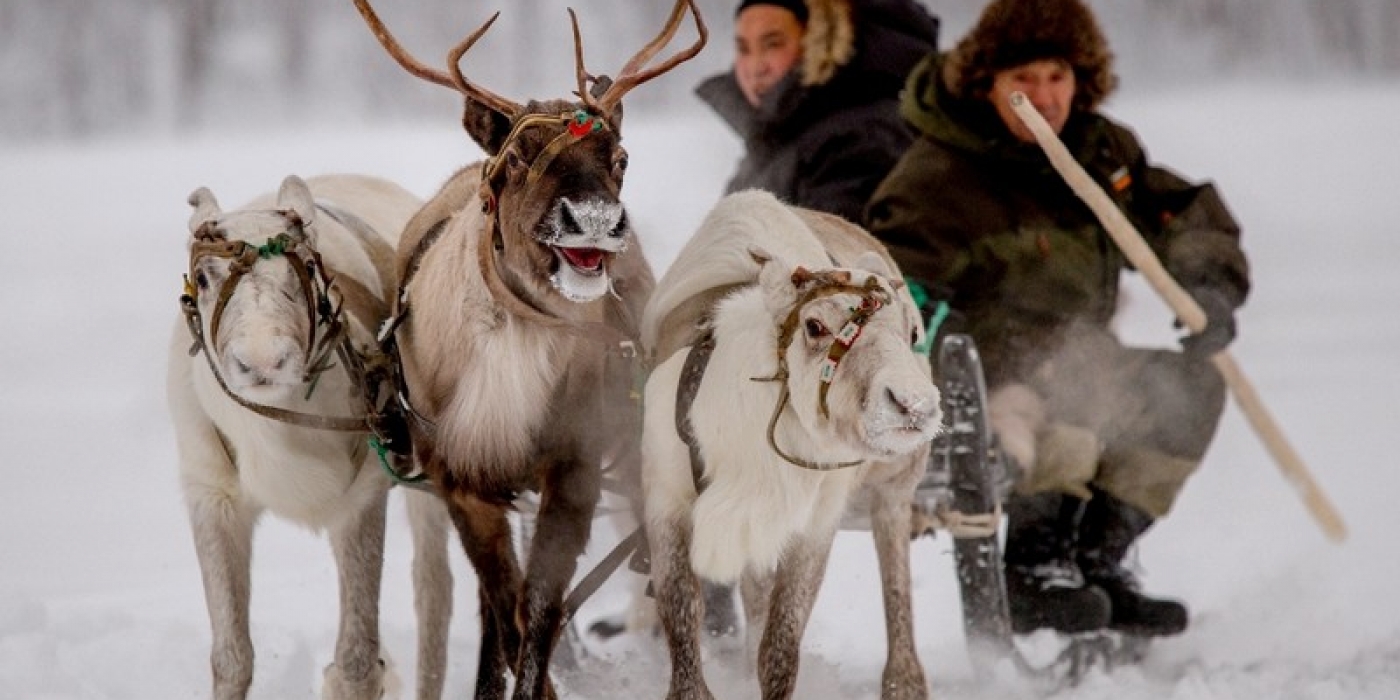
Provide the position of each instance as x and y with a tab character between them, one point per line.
1047	83
767	43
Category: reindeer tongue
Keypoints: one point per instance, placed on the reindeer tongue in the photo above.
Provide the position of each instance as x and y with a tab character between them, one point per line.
583	258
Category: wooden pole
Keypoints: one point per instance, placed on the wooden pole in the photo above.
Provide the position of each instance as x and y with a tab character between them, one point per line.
1186	309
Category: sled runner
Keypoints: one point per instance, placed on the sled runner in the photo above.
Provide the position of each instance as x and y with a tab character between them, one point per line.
962	453
966	470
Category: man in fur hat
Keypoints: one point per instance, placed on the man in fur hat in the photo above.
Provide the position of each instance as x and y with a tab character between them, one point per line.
814	95
1105	435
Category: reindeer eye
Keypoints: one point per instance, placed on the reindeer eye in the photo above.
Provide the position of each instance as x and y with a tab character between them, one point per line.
207	275
619	164
512	158
815	329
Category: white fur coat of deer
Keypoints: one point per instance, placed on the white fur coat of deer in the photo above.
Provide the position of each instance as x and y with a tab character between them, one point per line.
521	285
254	282
812	392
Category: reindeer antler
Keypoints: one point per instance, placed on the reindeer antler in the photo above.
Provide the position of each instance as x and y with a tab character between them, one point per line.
632	74
454	79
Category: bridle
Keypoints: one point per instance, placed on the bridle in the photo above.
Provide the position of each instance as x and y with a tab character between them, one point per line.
325	317
577	125
873	297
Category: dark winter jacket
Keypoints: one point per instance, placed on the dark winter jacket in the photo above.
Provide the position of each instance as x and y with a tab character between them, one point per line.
985	222
827	135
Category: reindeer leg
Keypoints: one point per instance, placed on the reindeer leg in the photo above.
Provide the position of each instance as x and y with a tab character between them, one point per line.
432	589
795	587
486	536
567	502
358	544
757	591
890	515
222	525
679	604
492	662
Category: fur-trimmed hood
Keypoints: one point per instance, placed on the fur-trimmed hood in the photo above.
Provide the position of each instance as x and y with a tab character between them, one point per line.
1015	32
874	37
830	41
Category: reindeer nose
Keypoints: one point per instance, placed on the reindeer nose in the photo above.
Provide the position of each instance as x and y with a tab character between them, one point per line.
256	364
620	228
918	407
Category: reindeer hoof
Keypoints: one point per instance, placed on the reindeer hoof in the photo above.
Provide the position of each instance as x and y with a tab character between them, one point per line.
381	683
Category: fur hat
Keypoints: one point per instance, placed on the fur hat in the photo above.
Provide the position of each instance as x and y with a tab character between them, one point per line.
1011	33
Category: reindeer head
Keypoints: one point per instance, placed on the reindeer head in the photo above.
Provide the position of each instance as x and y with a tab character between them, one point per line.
844	352
554	172
258	287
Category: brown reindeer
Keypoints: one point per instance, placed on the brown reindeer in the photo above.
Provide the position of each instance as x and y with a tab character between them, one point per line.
521	286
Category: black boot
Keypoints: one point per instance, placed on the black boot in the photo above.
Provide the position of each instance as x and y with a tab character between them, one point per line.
1044	587
1106	532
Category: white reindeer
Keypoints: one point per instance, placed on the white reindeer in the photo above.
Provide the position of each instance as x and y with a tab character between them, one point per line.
263	285
812	391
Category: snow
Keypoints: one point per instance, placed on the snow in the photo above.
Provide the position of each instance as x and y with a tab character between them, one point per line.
100	594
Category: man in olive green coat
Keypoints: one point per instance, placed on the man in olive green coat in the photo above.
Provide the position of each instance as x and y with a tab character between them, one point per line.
1105	435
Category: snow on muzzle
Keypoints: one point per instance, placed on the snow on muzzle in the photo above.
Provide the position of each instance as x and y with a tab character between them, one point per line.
583	236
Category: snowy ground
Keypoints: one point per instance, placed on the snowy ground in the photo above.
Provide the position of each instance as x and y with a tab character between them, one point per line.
99	590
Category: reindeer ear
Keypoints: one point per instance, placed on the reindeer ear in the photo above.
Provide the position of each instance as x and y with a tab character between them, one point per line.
487	127
205	207
777	279
295	196
871	261
760	256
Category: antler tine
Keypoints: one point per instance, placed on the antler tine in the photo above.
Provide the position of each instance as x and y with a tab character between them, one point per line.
396	50
582	73
632	75
668	31
467	87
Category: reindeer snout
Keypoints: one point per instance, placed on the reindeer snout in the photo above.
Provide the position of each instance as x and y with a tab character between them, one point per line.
274	361
917	408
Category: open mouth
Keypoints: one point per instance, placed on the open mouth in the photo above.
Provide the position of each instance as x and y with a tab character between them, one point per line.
585	261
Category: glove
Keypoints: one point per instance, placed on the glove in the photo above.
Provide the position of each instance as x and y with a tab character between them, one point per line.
1220	324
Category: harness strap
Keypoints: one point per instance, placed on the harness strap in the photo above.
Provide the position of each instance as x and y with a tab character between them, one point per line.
692	372
388	343
358	300
380	253
590	583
